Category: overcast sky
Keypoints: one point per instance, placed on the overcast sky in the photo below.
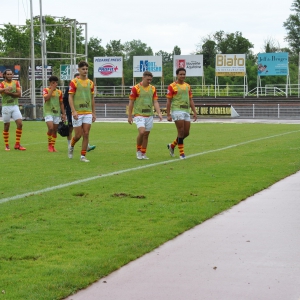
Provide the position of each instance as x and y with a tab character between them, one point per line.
162	24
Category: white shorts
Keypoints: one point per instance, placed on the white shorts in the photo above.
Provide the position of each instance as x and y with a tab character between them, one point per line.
11	111
146	122
82	119
181	115
53	119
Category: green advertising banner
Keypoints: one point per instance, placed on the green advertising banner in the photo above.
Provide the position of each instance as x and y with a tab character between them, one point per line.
65	72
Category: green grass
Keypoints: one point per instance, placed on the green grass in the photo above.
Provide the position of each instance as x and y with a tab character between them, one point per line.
54	243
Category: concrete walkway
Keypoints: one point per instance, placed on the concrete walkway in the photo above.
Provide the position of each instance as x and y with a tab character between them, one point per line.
251	251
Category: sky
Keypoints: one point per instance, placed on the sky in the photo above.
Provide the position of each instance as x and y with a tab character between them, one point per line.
163	24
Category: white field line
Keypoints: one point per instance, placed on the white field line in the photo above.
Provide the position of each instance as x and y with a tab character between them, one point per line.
49	189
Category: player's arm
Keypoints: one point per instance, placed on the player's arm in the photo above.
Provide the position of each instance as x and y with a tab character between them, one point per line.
16	94
71	103
62	107
169	100
72	91
46	95
1	88
156	104
132	97
93	102
8	91
130	109
157	109
93	109
192	104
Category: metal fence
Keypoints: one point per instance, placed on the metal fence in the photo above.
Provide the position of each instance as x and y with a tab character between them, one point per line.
198	90
246	111
272	111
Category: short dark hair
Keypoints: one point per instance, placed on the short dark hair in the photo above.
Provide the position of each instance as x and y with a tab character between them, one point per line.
53	78
147	73
83	64
180	69
76	74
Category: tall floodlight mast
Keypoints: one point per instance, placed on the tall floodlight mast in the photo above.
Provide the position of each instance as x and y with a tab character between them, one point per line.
32	62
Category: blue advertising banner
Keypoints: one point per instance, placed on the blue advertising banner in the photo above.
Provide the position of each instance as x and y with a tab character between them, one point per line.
272	64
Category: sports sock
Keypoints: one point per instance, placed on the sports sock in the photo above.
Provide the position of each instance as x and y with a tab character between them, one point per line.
54	136
18	136
180	146
49	136
174	144
73	142
6	137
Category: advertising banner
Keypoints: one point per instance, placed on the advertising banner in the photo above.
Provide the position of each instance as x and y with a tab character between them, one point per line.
39	72
152	64
15	69
272	64
192	63
65	72
108	67
224	110
230	65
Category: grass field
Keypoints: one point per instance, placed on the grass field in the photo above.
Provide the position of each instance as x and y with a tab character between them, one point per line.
64	224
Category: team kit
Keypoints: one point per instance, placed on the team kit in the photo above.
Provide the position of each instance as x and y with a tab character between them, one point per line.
72	114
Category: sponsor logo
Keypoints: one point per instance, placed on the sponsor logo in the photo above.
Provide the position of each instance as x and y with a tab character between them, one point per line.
150	66
180	63
229	61
107	69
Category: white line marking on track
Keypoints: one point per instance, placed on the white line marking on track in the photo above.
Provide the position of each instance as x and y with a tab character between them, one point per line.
49	189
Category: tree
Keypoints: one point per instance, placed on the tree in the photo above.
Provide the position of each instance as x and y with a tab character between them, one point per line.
114	48
271	45
232	43
166	57
167	63
177	50
15	43
292	25
94	50
131	49
209	52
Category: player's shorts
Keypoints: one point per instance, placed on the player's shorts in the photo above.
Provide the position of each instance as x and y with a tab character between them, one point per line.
11	111
53	119
146	122
82	119
180	115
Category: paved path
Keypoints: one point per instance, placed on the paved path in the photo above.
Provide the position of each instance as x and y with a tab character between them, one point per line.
251	251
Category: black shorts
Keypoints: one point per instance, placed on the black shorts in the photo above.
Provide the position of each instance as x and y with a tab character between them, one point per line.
69	116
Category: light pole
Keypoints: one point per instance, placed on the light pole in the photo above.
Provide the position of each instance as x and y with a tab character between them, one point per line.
32	63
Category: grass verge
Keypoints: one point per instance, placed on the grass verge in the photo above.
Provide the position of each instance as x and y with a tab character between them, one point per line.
57	242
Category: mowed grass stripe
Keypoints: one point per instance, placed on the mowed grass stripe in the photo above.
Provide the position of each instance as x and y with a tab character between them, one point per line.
49	189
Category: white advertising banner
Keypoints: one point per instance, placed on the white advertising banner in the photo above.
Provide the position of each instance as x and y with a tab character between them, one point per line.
152	64
230	65
192	63
108	67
